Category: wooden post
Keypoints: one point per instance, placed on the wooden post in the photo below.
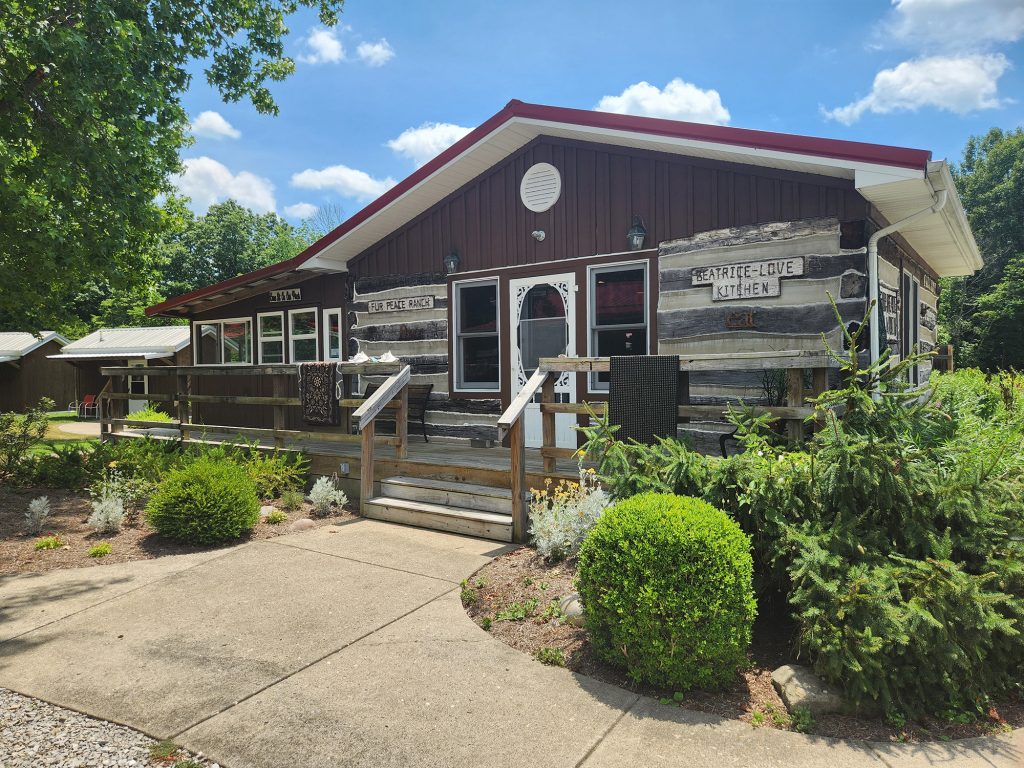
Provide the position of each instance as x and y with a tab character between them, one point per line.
819	381
184	405
520	519
547	395
103	409
366	465
683	393
119	407
402	424
280	384
346	394
795	399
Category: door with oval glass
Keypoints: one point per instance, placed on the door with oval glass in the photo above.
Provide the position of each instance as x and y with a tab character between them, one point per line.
543	324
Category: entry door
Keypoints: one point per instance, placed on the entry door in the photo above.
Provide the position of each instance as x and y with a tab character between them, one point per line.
138	384
543	324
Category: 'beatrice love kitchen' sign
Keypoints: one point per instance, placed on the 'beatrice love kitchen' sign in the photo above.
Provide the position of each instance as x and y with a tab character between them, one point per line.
748	279
401	305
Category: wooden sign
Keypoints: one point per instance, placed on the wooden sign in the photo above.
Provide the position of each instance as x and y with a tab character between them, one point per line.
740	320
283	295
748	279
401	305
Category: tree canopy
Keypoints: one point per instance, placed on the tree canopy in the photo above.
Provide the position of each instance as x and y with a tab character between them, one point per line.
983	315
91	124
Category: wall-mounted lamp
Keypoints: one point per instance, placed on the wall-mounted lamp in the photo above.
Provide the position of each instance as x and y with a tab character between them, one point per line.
538	235
451	262
636	234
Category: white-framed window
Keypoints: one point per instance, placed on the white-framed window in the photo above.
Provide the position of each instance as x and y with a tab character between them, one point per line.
270	337
332	334
617	314
477	344
303	330
911	322
224	342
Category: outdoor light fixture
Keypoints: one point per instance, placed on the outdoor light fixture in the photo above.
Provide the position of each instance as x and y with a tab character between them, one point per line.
636	234
451	262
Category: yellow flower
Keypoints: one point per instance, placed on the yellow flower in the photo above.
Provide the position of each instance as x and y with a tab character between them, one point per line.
112	464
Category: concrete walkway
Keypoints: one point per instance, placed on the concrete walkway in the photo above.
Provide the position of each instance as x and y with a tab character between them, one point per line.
347	646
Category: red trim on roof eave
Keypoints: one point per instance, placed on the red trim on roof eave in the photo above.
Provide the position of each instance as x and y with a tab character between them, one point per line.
853	151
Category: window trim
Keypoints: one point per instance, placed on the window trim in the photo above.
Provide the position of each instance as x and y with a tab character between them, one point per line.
593	385
197	324
458	386
292	337
327	335
260	338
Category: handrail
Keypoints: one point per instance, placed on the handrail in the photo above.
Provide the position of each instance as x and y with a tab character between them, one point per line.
518	405
380	399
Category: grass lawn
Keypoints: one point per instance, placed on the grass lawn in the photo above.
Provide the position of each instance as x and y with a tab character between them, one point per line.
55	436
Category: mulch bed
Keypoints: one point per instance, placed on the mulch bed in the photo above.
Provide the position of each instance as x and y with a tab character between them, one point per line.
522	577
135	541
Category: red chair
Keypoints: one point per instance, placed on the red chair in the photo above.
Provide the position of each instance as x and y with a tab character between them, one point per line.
88	407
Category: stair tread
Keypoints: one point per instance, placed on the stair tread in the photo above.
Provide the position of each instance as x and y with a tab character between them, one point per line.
438	509
452	487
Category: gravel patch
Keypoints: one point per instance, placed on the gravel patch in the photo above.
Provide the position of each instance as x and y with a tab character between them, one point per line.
34	734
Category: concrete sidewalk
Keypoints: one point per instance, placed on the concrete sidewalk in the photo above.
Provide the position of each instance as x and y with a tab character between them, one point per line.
347	646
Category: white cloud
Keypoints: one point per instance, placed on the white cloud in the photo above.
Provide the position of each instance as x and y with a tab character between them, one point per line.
679	100
955	25
212	125
375	54
207	181
323	47
344	180
426	142
300	210
959	84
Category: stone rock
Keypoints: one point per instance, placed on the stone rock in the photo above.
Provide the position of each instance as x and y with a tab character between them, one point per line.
303	525
573	610
265	510
800	687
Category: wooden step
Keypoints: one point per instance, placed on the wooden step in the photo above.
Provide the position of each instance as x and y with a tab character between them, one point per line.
470	522
484	498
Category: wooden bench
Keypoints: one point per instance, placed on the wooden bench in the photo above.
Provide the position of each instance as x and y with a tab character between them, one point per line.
419	396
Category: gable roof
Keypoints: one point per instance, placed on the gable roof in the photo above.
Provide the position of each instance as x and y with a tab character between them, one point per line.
14	345
897	181
122	343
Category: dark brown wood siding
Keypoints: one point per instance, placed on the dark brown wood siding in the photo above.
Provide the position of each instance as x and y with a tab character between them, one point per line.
603	187
35	377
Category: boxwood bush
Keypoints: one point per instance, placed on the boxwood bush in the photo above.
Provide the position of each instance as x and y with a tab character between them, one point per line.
665	583
205	502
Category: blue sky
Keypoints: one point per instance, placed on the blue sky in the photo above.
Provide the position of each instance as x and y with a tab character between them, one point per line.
916	73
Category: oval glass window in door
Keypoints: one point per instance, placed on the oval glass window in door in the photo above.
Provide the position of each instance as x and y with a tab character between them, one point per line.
543	327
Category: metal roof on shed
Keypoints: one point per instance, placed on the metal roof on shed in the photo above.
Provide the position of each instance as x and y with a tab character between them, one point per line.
117	343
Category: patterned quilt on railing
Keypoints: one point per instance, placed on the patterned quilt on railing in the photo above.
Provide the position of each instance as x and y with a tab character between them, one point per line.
316	391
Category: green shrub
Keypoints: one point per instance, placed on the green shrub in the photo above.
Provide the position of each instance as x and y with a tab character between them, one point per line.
271	472
48	542
292	500
277	517
18	433
205	502
665	582
100	550
151	414
553	657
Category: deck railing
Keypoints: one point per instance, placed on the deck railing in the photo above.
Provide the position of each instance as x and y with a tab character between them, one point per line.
114	403
393	393
510	423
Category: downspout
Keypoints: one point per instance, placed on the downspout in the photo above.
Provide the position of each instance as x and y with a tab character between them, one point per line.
940	201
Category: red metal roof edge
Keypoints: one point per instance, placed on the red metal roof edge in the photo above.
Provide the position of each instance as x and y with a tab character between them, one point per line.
879	154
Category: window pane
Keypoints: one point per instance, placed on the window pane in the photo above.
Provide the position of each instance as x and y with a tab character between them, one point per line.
237	343
478	308
304	323
208	352
272	326
334	336
619	297
272	351
479	361
303	350
620	342
137	385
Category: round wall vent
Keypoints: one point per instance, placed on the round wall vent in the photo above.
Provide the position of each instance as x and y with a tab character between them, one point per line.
541	187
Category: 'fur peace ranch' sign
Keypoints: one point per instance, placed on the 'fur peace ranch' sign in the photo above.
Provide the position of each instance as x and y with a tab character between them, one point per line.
747	279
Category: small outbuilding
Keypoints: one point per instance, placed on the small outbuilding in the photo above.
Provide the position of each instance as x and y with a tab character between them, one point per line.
27	373
134	347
